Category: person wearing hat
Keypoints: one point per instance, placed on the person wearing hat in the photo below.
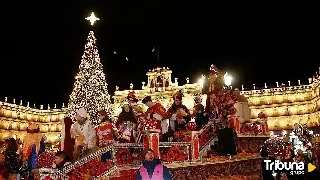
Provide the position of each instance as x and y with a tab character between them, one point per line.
126	125
133	102
83	132
105	129
178	114
104	116
156	111
198	113
152	169
132	98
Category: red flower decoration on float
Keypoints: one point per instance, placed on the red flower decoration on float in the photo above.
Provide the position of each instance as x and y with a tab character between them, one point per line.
174	154
45	160
191	126
123	157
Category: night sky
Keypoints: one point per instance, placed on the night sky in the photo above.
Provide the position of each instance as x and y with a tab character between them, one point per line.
42	44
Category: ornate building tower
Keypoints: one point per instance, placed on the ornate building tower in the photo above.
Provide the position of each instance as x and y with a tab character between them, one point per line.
159	79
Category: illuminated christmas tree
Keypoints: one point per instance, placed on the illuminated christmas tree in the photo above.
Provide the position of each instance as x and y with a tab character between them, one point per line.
90	88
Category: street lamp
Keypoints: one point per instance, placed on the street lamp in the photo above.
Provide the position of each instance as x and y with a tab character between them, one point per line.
201	81
227	79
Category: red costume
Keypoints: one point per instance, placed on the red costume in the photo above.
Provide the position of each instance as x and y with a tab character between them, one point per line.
135	107
105	130
156	112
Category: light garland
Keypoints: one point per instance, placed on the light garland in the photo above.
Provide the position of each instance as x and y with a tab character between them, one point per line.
82	161
90	157
107	173
90	88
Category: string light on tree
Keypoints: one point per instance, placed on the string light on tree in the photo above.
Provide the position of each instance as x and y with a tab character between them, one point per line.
92	18
90	87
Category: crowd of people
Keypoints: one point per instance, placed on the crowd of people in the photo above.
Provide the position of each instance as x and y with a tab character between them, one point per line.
132	120
19	160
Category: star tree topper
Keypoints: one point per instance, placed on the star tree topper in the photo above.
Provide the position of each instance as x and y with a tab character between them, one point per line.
92	18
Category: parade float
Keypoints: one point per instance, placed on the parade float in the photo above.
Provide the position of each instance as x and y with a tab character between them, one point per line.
192	158
189	158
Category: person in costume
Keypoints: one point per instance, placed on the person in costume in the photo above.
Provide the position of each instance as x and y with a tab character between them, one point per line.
178	114
126	124
83	132
133	102
67	142
105	130
33	146
156	112
106	133
227	139
198	113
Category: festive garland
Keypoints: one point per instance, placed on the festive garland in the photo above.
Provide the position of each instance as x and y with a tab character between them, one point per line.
91	169
205	136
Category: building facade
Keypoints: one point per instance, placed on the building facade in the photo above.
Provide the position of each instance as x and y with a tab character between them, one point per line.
14	120
286	106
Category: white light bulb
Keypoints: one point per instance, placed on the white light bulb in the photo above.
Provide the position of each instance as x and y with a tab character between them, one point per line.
227	79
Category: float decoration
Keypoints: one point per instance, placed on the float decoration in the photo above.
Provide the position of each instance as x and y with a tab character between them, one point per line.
105	134
191	126
174	154
45	160
123	157
93	168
